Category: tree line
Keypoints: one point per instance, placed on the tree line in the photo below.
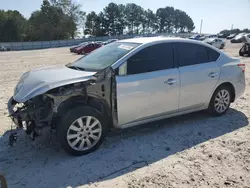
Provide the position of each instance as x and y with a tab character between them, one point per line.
55	20
62	19
233	31
119	19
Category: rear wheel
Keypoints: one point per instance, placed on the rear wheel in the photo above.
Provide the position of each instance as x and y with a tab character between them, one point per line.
82	130
222	46
220	101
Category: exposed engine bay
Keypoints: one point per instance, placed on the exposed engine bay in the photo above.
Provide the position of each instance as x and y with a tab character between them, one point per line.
46	109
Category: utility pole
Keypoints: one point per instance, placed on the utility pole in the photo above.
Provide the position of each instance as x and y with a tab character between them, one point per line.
201	25
232	27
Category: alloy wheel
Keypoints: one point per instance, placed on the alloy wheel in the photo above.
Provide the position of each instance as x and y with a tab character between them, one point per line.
222	101
84	133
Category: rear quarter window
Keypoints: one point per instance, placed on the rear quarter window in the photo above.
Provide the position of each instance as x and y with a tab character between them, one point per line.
212	54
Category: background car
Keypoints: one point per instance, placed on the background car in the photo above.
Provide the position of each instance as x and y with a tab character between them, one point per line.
72	49
216	42
239	37
245	49
223	35
207	36
196	37
99	42
85	49
231	36
2	49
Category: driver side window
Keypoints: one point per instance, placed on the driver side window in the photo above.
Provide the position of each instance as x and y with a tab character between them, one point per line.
153	58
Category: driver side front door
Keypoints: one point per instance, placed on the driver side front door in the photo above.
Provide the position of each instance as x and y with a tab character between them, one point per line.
150	86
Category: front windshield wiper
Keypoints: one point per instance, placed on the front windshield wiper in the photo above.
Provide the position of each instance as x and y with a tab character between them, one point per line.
76	67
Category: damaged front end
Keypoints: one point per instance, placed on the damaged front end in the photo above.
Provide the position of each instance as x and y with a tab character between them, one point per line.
39	94
43	109
32	114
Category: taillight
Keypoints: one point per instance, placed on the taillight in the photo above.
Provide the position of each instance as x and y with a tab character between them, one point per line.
242	66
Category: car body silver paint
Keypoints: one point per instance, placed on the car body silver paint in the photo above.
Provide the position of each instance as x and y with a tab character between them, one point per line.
196	88
196	83
39	81
132	112
146	94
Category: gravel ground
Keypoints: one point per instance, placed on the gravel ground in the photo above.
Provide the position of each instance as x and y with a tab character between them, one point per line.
193	150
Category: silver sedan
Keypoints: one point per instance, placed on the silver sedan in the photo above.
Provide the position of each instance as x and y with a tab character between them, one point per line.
123	84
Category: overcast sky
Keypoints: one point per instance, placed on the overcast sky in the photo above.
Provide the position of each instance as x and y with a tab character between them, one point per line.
216	14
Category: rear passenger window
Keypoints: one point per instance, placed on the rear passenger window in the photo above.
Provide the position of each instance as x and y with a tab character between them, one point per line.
212	54
191	54
152	58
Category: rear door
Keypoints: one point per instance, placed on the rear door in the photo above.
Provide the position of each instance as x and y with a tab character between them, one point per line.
149	86
199	74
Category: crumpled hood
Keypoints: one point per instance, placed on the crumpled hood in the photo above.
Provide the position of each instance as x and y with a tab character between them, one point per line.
39	81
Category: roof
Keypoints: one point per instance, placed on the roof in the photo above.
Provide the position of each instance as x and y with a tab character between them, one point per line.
144	40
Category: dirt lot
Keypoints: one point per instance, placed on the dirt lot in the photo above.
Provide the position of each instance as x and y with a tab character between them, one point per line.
194	150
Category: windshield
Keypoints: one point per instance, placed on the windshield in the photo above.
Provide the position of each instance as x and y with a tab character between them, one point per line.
104	56
84	43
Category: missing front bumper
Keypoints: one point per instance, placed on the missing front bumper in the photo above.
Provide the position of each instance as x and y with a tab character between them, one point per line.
12	114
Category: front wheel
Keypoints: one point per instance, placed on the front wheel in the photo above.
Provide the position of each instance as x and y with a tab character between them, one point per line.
220	101
82	130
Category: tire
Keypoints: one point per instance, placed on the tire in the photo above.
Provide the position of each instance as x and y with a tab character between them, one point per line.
216	101
222	46
78	144
241	53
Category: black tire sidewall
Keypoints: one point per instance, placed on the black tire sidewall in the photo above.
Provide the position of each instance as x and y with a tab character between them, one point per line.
69	118
211	108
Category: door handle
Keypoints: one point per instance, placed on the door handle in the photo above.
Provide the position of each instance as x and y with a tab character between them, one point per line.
170	81
212	74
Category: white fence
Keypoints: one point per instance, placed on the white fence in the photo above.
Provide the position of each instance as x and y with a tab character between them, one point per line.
72	42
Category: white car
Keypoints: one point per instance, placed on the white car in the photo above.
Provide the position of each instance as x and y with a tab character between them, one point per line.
216	42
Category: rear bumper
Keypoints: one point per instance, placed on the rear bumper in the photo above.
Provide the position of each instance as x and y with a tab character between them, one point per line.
239	88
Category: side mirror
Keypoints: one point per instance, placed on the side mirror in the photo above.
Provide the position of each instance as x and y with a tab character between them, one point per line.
123	69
